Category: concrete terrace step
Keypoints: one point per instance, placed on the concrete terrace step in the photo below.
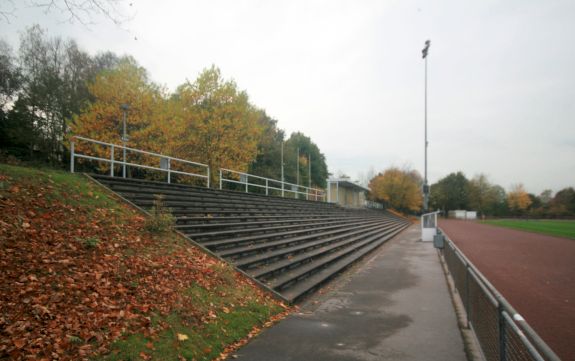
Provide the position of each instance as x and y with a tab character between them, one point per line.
275	240
292	246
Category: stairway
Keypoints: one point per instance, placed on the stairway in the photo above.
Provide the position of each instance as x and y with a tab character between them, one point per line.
291	246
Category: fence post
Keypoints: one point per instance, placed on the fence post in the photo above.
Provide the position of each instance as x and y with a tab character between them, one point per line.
220	178
502	336
112	161
72	156
247	182
467	310
266	187
169	173
209	177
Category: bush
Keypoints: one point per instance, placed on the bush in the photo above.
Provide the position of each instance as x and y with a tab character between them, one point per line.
161	220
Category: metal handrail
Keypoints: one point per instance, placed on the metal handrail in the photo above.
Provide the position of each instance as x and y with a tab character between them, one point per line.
308	191
532	341
113	161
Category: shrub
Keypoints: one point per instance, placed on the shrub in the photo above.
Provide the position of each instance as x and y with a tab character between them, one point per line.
161	220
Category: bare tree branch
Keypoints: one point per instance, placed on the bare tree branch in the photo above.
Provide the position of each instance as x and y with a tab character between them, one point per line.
81	11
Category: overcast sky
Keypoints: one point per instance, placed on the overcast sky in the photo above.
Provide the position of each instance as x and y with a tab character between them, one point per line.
501	94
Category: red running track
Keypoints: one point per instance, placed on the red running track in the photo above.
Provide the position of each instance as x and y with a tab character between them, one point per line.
534	272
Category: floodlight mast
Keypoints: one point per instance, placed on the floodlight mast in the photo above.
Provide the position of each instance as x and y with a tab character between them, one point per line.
425	185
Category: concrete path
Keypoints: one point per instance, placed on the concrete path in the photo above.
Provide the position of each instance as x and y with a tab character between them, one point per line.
395	306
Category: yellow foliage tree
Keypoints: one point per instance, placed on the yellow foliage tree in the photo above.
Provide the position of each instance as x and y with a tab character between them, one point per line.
102	119
398	188
218	126
518	199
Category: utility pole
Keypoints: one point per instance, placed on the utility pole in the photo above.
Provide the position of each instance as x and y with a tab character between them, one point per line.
282	167
124	108
309	170
297	168
425	185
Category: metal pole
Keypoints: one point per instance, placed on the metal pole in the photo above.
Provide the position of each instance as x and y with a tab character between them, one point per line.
125	108
112	161
209	178
282	168
220	178
72	157
309	170
297	168
425	185
169	174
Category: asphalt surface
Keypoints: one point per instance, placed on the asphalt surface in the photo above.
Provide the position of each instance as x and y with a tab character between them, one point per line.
393	306
534	272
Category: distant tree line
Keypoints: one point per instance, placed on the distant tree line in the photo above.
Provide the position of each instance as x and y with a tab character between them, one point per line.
50	89
401	189
455	191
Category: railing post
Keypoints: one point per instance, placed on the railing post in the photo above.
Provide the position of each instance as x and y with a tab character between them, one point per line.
112	160
247	182
72	156
209	177
169	173
220	178
467	309
502	336
266	186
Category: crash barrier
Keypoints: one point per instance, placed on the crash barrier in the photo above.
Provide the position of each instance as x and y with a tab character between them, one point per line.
502	333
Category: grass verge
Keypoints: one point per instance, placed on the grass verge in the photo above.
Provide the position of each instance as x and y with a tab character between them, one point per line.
559	228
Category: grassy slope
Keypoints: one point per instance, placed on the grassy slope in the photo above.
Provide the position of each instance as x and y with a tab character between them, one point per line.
79	279
551	227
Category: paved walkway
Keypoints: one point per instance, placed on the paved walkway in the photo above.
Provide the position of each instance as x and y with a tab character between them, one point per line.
395	306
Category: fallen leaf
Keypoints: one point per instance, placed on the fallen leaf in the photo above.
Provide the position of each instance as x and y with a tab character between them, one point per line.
182	337
19	342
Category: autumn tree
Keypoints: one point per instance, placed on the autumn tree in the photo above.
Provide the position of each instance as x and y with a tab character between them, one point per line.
127	83
398	188
307	150
219	126
518	199
484	197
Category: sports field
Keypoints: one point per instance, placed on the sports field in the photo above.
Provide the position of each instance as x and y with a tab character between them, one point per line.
551	227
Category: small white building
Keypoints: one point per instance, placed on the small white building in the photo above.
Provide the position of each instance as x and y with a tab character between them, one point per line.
462	214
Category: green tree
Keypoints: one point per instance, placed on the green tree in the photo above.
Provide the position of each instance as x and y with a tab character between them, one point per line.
51	89
307	150
563	203
450	193
268	161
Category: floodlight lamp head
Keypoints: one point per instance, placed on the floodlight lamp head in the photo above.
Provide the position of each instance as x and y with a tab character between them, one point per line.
426	49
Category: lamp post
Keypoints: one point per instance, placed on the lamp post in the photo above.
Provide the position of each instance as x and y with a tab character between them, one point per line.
282	167
124	108
425	185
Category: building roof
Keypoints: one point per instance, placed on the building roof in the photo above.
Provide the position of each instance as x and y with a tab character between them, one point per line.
348	184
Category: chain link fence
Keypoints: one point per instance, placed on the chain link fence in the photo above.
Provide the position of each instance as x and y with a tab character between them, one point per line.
502	333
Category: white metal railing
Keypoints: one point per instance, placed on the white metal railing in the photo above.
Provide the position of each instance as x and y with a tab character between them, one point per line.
165	161
373	205
269	185
429	226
